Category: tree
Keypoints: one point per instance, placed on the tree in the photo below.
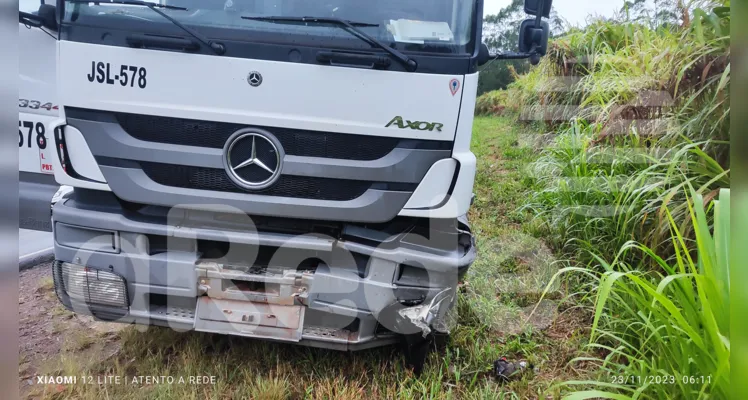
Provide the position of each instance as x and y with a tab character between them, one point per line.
500	34
635	10
656	13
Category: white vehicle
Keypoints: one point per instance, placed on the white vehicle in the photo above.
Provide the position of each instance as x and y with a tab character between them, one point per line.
282	169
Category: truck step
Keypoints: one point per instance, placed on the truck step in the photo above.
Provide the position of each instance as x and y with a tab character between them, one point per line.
172	313
326	334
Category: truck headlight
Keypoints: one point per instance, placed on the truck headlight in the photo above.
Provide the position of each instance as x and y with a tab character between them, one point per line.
90	285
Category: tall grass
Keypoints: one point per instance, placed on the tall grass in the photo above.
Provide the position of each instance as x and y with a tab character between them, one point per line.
638	114
664	335
640	156
598	198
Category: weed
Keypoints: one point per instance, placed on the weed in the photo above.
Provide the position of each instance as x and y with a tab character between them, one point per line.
665	335
640	117
46	285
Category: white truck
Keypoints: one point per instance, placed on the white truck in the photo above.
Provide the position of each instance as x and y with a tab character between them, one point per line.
291	170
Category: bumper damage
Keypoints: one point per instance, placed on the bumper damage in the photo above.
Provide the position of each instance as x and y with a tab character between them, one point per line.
348	288
434	315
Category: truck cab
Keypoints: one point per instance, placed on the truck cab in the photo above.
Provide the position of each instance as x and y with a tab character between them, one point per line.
278	169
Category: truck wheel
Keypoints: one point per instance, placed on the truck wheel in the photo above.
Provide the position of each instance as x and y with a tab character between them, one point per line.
441	340
416	349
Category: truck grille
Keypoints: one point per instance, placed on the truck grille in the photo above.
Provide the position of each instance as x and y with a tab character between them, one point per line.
189	132
287	186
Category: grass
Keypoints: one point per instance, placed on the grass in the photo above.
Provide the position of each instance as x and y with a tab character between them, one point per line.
638	158
76	341
46	285
491	324
643	113
513	266
664	335
595	198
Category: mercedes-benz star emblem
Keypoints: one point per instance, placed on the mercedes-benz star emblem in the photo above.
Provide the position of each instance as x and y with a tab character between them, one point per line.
253	159
254	78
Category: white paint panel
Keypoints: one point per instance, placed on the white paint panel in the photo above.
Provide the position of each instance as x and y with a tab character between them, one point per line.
61	176
81	158
467	114
37	60
37	99
434	187
462	194
292	95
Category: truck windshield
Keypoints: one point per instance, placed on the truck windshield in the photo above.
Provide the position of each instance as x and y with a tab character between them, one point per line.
443	26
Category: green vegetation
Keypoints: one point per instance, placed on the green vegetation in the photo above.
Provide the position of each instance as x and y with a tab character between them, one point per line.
665	334
639	114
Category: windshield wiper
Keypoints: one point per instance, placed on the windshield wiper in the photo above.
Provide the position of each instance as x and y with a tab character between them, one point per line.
217	48
350	26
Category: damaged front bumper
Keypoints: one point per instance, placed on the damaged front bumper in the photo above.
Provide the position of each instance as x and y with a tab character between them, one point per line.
348	289
438	313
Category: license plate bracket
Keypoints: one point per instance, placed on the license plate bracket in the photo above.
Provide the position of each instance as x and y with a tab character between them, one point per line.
250	319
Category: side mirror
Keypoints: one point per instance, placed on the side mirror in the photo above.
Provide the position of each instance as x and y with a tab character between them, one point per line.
45	17
48	14
532	38
533	35
533	7
484	55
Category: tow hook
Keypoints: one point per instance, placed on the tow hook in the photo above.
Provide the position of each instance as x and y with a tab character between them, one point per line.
426	315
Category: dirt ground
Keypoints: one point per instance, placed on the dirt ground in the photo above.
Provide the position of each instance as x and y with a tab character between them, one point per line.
47	330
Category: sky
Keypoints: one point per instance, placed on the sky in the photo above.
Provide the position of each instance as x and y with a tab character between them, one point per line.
574	11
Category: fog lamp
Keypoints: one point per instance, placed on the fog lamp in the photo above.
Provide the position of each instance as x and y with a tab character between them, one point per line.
90	285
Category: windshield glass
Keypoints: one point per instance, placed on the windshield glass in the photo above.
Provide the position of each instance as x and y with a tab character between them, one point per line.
443	26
